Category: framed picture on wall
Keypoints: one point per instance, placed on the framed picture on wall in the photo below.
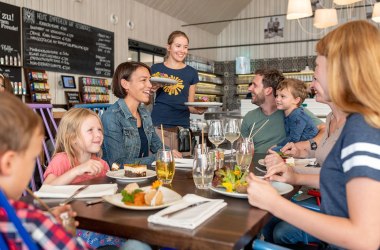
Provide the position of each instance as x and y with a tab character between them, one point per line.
274	26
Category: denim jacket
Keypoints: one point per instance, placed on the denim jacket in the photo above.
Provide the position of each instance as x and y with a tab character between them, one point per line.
121	136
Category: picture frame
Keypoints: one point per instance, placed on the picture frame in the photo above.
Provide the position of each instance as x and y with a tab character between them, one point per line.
68	82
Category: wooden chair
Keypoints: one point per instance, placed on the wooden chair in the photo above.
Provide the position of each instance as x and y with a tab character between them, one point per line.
45	111
11	214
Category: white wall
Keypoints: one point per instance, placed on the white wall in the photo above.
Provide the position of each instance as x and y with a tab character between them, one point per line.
252	31
151	27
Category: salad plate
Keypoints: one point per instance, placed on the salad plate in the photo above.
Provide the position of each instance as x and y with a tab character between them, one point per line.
119	175
282	188
170	198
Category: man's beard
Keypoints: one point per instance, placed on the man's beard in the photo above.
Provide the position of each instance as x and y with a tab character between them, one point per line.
259	99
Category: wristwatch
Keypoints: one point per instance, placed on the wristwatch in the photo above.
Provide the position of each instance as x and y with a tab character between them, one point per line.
313	144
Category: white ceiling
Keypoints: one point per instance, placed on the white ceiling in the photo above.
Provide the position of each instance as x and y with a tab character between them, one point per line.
199	11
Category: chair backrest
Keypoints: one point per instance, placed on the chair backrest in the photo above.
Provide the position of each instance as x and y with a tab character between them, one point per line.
45	111
98	108
263	245
16	222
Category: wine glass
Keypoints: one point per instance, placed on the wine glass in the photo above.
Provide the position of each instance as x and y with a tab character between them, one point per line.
244	153
216	133
232	132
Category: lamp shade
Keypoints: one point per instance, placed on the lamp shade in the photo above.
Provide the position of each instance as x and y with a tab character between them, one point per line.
376	13
325	18
345	2
299	9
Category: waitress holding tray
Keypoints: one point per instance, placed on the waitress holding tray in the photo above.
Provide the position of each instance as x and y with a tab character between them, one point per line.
169	108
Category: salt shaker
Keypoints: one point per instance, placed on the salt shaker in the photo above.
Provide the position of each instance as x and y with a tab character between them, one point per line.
68	223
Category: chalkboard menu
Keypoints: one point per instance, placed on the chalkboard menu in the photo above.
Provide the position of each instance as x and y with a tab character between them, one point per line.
60	45
72	98
10	35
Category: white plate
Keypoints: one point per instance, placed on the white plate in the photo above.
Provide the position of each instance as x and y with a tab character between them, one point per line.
297	162
282	188
261	162
204	104
119	175
163	80
170	197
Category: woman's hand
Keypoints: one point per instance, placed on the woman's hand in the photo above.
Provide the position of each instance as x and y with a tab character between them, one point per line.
261	194
176	154
291	149
272	158
57	211
281	172
90	167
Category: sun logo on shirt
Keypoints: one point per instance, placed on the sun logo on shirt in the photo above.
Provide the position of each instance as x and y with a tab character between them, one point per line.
174	89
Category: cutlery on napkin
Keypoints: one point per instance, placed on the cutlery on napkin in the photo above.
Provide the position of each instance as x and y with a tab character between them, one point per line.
65	191
68	200
185	214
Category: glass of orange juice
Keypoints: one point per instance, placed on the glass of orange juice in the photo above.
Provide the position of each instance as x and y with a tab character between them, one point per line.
165	166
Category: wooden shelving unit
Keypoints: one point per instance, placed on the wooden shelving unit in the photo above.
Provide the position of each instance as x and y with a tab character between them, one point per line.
94	90
37	86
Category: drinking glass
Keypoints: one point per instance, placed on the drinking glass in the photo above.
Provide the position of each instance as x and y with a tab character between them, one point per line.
244	153
165	166
232	132
203	169
216	133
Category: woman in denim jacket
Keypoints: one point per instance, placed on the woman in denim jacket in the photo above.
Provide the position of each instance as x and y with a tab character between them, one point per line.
129	135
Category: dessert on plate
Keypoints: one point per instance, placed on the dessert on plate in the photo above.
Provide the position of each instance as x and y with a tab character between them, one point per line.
134	170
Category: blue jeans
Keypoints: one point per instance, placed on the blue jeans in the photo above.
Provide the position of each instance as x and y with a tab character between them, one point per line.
281	232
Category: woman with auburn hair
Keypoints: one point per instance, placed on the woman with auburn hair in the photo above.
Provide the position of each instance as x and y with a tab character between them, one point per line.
348	64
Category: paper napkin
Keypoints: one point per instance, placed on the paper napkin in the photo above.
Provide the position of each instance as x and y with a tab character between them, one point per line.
65	191
189	218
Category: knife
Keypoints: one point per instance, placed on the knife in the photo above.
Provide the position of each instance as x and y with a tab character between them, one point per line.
68	200
167	215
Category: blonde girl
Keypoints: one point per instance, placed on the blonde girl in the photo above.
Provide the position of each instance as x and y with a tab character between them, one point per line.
78	149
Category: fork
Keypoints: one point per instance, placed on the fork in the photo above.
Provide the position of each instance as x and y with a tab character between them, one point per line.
68	200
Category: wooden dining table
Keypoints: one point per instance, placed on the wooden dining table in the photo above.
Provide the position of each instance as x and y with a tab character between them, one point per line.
233	227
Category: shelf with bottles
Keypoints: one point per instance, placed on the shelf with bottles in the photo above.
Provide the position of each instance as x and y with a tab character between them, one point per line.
207	98
208	88
200	63
37	85
10	60
306	76
94	90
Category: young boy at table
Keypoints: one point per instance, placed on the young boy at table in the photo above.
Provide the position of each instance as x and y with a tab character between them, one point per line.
21	135
290	94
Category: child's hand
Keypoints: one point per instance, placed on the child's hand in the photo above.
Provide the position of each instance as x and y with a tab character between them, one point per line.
90	167
57	211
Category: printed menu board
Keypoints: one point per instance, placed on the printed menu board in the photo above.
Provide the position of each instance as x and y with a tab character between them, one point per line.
10	35
56	44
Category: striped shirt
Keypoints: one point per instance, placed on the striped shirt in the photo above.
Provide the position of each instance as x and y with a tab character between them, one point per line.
355	154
